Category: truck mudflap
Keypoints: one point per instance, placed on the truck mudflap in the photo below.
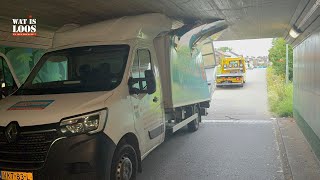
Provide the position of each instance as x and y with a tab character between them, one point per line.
77	157
203	112
205	104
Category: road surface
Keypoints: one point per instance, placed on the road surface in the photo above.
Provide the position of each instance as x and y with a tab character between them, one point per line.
237	140
249	102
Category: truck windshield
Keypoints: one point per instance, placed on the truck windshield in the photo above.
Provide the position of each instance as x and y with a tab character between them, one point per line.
81	69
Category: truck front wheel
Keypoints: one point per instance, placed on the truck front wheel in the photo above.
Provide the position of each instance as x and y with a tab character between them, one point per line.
194	125
124	163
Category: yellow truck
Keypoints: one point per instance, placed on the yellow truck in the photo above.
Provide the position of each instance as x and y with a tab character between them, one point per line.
233	72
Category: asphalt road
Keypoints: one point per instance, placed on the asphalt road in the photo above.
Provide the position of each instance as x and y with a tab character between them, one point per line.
249	102
237	140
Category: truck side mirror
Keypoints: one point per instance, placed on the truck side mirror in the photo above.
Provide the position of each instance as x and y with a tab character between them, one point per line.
150	84
151	81
133	90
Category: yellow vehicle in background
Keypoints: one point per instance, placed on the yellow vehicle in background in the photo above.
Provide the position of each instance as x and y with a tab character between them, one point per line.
233	72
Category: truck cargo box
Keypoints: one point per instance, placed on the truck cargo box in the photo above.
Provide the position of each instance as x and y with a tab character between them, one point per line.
182	73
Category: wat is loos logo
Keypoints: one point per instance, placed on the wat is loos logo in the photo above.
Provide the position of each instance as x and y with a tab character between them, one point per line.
24	27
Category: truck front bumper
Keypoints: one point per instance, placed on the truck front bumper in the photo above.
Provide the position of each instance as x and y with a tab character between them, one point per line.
229	84
77	157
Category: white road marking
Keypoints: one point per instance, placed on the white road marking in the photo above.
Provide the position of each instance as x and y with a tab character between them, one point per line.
238	121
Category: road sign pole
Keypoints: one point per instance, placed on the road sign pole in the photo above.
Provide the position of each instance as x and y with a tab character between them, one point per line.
287	63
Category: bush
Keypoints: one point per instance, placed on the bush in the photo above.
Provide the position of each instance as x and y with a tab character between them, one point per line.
277	55
280	94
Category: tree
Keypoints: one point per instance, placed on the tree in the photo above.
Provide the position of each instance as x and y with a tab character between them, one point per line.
277	55
225	49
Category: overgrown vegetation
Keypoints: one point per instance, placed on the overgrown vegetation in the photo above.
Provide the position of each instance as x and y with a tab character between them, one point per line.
225	49
277	55
280	94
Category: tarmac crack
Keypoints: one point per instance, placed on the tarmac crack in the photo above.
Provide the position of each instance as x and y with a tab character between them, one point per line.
232	118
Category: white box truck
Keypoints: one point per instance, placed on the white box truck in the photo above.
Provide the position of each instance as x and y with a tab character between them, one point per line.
100	100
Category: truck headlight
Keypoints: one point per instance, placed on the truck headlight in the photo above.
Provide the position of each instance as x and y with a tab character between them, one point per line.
91	122
230	65
225	66
241	65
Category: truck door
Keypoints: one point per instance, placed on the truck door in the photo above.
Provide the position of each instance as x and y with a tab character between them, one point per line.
147	108
8	79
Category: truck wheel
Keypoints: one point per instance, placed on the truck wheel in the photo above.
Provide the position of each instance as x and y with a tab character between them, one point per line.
194	125
241	85
124	163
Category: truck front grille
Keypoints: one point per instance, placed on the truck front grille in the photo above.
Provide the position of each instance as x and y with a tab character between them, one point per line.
28	151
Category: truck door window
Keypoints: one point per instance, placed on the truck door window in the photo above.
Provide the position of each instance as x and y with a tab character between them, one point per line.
6	77
141	62
6	74
145	63
135	69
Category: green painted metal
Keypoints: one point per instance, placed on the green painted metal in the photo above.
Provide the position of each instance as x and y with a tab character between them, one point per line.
312	138
306	78
189	83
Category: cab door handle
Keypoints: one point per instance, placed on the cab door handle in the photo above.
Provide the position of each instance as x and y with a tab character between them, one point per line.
155	99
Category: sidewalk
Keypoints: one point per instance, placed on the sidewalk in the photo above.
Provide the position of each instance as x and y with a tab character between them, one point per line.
303	164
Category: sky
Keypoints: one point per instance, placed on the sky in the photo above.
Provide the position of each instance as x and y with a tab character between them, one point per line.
249	47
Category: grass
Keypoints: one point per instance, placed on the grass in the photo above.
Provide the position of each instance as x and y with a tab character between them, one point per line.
280	94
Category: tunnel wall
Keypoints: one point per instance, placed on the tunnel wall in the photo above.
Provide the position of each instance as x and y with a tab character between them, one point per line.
306	81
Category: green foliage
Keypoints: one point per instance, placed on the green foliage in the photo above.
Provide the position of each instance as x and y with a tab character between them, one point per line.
225	49
277	55
280	94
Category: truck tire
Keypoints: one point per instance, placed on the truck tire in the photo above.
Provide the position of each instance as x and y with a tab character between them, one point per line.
194	125
124	162
241	85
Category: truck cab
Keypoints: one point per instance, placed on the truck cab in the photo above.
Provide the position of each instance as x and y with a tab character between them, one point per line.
233	72
87	108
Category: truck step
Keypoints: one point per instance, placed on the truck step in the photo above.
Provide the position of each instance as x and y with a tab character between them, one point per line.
173	127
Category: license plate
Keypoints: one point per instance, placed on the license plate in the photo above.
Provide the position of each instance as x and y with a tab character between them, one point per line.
8	175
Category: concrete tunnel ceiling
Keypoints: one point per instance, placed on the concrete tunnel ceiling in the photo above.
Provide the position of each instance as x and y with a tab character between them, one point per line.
246	18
